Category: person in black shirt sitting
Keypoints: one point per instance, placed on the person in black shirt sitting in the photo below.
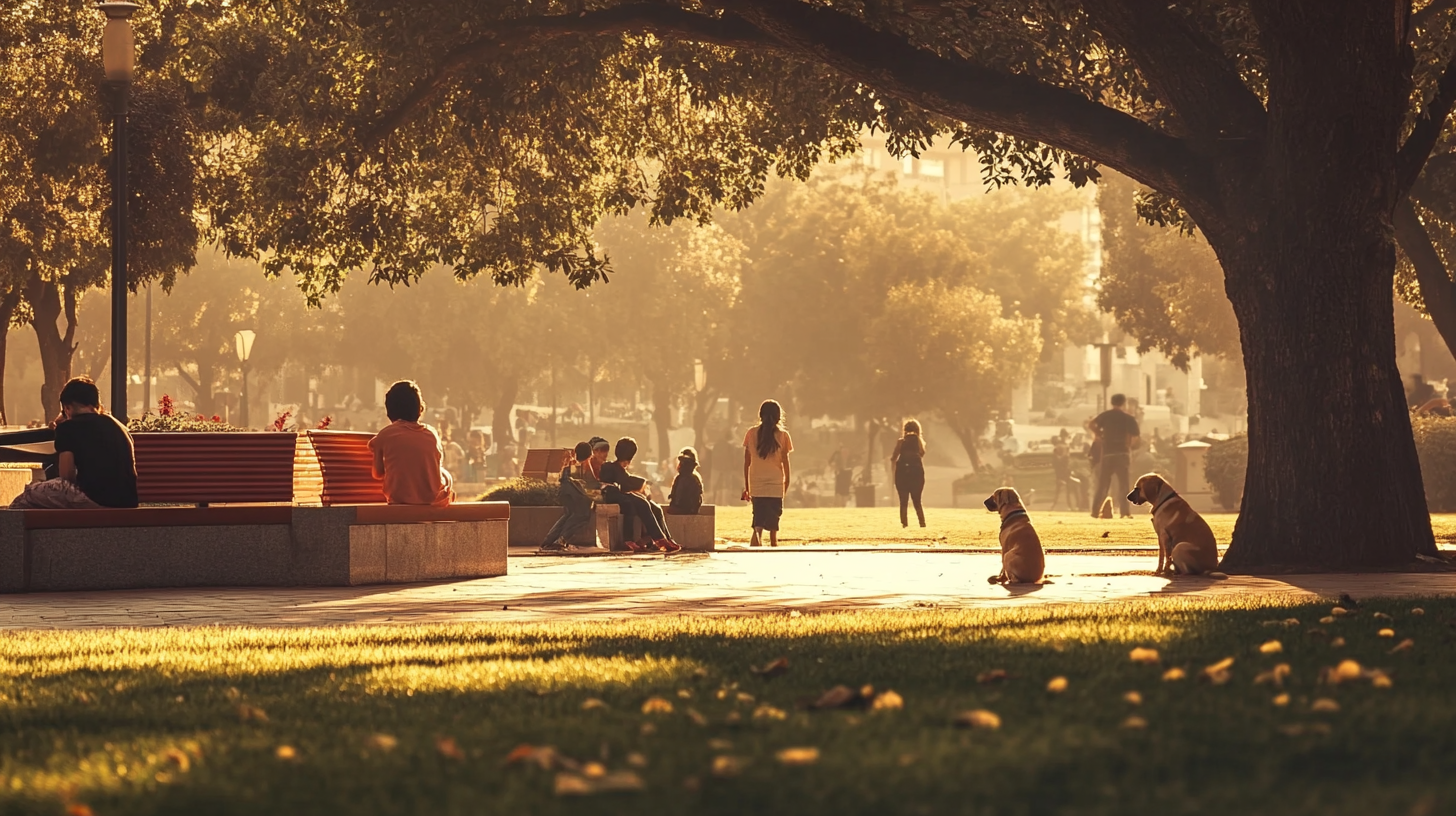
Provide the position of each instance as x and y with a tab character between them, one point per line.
95	457
624	490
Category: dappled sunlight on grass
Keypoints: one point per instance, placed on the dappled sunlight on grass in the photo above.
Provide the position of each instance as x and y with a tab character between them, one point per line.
416	719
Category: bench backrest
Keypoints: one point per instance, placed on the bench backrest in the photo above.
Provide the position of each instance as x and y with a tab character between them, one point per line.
346	467
215	467
545	464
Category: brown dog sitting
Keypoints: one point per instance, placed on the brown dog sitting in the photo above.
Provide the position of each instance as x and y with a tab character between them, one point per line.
1185	541
1022	561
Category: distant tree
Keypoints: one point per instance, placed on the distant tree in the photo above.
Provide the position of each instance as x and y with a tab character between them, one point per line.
672	288
948	349
1162	285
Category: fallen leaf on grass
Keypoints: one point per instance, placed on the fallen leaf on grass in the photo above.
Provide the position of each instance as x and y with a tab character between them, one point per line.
1173	674
720	744
286	753
1218	673
1346	671
684	694
1404	645
648	729
448	748
725	767
992	676
1418	611
657	705
247	713
381	742
1297	729
1135	723
774	668
1387	633
1275	675
575	784
1327	620
744	697
1338	611
636	760
1271	647
1281	700
842	697
1337	643
979	718
887	700
797	756
768	712
592	703
697	718
1132	698
1324	704
1142	655
1285	622
1383	616
1380	679
178	758
545	757
1056	685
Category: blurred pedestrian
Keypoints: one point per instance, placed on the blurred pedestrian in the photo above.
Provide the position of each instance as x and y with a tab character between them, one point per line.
766	449
1117	432
908	463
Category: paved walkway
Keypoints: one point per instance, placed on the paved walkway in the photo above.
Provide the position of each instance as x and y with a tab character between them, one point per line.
724	583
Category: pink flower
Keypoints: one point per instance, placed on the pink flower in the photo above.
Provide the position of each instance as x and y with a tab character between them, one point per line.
327	421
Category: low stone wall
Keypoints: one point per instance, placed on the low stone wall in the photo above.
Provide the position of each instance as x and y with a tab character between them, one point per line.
261	546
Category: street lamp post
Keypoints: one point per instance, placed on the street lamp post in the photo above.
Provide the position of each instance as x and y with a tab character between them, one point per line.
244	340
118	58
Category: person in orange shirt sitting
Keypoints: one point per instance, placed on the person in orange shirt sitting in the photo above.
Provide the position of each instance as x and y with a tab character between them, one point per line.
407	454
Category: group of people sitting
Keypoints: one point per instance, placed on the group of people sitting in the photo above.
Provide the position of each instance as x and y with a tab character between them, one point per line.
589	479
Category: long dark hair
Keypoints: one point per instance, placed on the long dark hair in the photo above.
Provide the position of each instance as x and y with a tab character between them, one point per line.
770	416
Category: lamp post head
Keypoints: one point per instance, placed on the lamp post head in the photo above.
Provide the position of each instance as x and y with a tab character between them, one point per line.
118	47
244	340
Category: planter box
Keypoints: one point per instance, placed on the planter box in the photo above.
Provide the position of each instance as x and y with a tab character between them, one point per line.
203	468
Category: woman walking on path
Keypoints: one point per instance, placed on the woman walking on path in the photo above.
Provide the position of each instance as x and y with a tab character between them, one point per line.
908	462
766	450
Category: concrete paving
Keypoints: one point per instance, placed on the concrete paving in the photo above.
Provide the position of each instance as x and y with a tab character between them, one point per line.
734	582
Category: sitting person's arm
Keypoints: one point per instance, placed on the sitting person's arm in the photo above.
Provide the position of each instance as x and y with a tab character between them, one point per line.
378	468
66	466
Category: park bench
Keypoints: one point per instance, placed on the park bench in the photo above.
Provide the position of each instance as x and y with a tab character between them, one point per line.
271	509
544	464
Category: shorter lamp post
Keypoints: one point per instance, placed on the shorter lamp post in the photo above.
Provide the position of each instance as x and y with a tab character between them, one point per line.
244	340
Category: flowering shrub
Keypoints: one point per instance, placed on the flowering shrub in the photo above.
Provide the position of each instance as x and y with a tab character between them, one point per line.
169	419
325	423
281	423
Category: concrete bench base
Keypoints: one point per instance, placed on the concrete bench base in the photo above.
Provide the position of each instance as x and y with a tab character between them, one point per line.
529	525
258	546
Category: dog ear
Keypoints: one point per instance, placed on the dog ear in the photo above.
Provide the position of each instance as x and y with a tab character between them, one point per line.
991	502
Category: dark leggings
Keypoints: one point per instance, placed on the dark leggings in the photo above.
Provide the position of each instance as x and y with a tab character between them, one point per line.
908	493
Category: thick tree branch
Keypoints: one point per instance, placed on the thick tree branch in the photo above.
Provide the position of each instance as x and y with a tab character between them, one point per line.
950	86
1437	288
1183	67
1427	131
964	91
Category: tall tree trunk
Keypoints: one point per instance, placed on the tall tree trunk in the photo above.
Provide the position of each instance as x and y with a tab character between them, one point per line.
703	404
48	301
662	418
8	304
969	433
502	410
1305	240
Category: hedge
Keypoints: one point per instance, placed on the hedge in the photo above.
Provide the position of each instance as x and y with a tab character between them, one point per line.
523	492
1435	445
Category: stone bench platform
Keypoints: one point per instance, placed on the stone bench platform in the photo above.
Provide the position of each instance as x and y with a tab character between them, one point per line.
529	525
260	546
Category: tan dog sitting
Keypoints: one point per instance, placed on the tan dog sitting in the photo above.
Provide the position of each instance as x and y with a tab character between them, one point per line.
1022	561
1185	541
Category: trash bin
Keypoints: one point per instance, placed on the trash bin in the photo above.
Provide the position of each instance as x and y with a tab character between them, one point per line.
864	495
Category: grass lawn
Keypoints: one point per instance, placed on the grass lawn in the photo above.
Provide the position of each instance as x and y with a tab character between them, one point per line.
965	527
404	720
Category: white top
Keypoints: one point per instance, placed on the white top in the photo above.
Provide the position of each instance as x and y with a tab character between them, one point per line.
766	476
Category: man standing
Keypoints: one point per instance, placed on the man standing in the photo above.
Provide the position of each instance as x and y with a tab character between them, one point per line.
94	455
1118	433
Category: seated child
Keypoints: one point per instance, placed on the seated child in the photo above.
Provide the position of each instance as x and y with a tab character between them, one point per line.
576	501
97	463
625	490
407	454
687	489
